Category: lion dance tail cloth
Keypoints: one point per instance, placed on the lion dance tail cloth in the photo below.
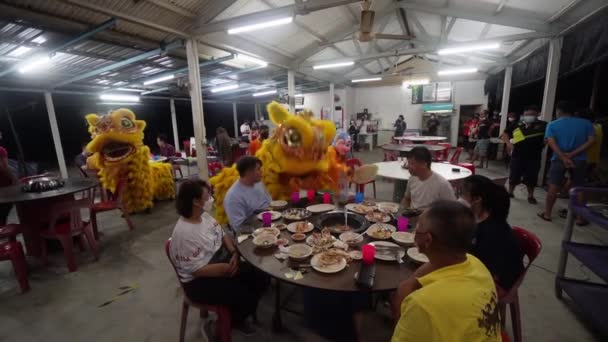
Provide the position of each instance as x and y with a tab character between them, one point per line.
119	154
295	157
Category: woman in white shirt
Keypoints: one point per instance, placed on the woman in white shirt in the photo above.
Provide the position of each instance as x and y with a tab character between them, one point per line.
207	260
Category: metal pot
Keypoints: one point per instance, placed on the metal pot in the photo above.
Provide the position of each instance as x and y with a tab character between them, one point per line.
355	221
41	184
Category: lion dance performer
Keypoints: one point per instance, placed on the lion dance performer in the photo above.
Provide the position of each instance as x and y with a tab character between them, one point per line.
118	152
295	157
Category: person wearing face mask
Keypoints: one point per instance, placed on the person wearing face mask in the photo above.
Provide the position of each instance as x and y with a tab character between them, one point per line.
482	134
494	242
526	141
207	261
400	126
432	125
353	131
452	297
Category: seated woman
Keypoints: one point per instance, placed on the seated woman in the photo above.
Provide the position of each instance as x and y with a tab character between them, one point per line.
493	243
207	261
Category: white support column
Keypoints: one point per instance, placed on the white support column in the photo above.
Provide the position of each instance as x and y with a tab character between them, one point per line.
174	123
198	117
555	53
50	108
331	102
234	118
291	90
506	94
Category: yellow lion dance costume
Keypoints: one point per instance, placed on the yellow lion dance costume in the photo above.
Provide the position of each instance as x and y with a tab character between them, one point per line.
295	157
118	153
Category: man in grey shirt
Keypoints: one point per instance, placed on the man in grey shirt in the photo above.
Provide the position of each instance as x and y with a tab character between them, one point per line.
424	186
248	195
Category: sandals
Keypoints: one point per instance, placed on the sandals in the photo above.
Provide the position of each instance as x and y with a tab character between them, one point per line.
542	216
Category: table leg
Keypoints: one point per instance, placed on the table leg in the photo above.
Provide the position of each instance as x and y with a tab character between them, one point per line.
277	321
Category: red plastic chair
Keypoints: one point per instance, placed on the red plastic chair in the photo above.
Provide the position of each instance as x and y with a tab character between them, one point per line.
13	251
352	164
223	327
214	168
456	156
443	154
531	246
65	224
114	202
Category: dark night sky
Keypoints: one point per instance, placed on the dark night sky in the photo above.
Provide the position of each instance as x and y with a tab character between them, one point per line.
32	125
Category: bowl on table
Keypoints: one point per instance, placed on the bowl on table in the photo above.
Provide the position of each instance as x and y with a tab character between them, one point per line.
299	251
267	230
403	238
296	214
352	239
277	205
265	240
298	237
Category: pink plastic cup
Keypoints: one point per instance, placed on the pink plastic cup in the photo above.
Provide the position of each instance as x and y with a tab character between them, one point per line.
402	223
295	197
310	195
326	198
368	253
267	219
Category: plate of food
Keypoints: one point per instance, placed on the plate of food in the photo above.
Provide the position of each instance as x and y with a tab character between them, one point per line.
265	241
299	251
300	227
351	239
275	215
320	208
324	239
380	231
355	255
378	217
280	204
328	262
298	237
405	238
282	242
415	255
267	230
279	226
388	207
388	251
296	214
360	208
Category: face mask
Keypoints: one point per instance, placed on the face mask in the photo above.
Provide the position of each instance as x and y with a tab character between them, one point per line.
511	119
208	206
529	119
464	202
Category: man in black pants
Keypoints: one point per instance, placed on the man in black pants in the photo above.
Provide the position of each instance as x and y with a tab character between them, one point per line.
526	141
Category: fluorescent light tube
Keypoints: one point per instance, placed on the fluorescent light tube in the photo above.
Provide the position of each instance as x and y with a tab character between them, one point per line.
367	79
19	51
159	79
333	65
268	92
259	26
34	64
457	71
416	82
252	60
119	97
468	48
224	88
130	89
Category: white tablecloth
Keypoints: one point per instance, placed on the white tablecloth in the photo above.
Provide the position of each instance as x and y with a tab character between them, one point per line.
394	170
425	138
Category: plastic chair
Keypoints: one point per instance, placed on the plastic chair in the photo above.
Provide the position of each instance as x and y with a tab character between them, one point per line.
114	202
214	168
13	251
352	164
531	246
456	156
223	327
443	154
176	167
65	224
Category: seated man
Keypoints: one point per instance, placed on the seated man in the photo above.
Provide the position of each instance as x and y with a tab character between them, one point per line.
247	195
424	186
165	149
453	296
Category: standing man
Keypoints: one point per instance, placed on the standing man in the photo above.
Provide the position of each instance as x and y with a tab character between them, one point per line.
7	178
432	125
569	137
452	297
248	194
526	141
424	186
400	126
483	139
246	130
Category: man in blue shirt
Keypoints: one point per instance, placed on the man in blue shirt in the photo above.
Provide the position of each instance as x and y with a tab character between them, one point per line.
247	195
568	137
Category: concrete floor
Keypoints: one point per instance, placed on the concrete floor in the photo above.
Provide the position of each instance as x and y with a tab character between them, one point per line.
65	306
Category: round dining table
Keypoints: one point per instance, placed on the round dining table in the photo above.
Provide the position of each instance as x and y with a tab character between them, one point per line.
389	274
403	149
395	170
34	208
421	139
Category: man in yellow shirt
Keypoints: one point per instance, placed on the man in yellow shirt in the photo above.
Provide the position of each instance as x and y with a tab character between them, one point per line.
453	296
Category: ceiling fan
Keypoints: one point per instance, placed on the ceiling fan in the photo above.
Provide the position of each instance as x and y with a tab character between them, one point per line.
367	24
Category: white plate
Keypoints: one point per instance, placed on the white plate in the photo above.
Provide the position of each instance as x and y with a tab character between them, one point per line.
337	267
279	226
270	240
320	208
403	237
304	251
358	208
417	256
390	207
386	256
292	227
385	219
309	241
278	204
275	215
347	237
377	226
266	230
